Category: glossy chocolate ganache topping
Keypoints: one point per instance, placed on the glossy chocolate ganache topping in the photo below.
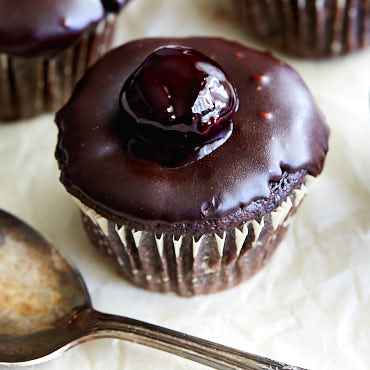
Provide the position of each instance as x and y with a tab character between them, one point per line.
263	114
43	27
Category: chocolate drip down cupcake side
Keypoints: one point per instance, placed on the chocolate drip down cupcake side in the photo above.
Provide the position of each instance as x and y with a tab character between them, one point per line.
188	158
308	28
46	47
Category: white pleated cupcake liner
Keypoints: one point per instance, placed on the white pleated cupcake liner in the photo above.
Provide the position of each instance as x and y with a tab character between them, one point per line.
184	264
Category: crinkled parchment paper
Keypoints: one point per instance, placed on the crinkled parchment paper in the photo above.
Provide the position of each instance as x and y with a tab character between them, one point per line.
310	306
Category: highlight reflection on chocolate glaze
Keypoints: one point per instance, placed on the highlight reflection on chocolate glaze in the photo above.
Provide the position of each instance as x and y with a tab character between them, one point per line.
176	107
41	27
290	135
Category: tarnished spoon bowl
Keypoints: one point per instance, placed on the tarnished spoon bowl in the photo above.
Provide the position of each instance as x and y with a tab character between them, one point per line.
45	309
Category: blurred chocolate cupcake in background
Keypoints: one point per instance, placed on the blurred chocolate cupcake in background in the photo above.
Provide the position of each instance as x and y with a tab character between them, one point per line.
308	28
45	48
188	158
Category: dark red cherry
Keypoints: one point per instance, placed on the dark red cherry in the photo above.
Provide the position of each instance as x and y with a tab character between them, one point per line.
178	100
113	5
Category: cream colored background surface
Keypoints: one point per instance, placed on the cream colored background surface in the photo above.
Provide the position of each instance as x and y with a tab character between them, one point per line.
310	306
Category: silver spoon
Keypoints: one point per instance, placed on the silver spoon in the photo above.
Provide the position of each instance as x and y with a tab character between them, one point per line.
45	309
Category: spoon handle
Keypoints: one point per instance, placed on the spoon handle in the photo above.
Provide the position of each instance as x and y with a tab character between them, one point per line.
180	344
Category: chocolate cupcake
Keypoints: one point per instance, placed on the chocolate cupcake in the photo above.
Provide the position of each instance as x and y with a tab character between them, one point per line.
45	47
309	28
188	166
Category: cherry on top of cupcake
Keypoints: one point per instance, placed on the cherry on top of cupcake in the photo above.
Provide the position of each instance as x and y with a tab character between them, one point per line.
42	27
114	5
176	107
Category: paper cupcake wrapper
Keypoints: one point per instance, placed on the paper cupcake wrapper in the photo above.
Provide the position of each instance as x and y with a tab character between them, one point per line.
310	28
31	86
186	265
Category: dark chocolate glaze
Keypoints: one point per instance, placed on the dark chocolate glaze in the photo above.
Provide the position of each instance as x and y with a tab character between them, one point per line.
277	130
43	27
279	191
